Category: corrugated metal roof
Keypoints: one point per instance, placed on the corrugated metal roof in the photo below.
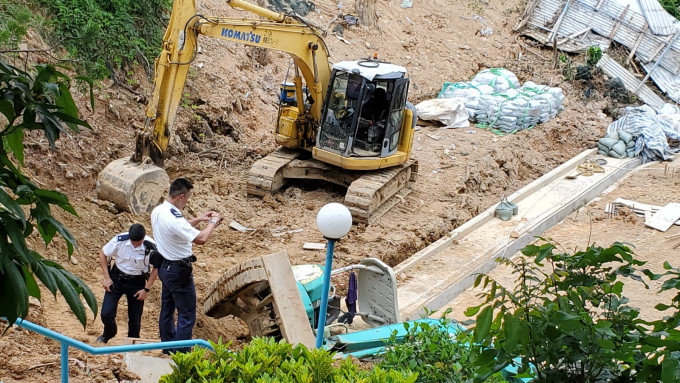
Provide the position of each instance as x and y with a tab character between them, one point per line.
660	22
613	69
624	22
666	81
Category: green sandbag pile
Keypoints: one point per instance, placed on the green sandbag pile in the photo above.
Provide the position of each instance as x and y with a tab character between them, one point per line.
618	145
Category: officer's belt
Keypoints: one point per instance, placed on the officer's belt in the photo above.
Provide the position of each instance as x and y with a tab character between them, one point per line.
184	261
127	277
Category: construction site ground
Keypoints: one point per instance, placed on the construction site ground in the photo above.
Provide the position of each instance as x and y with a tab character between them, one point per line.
225	123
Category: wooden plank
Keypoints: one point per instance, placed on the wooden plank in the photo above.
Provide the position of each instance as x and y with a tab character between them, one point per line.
661	46
617	24
663	219
637	43
290	312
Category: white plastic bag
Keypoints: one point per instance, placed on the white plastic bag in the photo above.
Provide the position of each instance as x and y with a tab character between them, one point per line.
449	111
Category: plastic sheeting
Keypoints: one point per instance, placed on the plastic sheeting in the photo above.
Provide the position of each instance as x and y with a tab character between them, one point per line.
449	111
650	131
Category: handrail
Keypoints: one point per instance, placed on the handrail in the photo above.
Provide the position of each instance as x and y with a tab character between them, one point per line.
67	341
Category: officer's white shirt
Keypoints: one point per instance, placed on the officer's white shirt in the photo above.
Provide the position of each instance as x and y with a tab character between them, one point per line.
173	233
129	259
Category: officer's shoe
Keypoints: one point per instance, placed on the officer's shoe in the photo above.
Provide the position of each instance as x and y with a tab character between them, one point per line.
102	339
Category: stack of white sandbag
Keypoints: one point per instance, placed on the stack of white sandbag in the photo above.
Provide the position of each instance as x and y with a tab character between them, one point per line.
470	92
494	99
497	78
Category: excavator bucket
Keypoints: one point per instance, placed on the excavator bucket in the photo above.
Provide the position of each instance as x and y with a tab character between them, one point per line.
132	186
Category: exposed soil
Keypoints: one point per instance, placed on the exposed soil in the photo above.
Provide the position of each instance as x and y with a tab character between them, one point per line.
225	123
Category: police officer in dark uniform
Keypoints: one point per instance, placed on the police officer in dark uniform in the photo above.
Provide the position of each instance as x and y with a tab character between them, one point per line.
129	275
175	236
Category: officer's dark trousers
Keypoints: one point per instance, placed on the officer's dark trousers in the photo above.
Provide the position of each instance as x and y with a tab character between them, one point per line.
128	286
178	294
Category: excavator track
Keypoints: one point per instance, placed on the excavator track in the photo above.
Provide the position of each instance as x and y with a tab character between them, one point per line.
375	193
266	176
243	291
369	193
264	294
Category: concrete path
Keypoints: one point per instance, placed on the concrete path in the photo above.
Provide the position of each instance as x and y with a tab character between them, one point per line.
437	274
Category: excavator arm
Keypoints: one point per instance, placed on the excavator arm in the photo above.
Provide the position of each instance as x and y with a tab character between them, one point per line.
276	31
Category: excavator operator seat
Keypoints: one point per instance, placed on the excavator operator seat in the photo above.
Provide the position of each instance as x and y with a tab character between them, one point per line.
377	293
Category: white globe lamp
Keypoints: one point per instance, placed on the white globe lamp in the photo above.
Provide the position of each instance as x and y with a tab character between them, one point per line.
334	220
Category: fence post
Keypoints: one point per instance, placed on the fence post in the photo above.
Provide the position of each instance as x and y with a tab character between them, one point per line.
64	362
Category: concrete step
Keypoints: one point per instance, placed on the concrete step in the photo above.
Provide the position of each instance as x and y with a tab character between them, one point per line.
149	368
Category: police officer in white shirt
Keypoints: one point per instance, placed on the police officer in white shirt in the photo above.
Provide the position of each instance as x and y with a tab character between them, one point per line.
175	236
130	275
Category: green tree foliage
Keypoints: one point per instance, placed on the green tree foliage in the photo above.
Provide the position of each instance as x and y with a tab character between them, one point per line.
40	102
104	35
568	320
265	360
671	6
14	20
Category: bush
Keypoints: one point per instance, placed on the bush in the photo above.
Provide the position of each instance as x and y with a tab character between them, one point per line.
265	360
436	354
39	101
103	35
568	321
14	21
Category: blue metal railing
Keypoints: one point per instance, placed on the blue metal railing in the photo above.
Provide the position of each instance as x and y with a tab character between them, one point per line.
66	342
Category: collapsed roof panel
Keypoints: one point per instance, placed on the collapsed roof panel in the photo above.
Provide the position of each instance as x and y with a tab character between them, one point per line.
645	28
660	22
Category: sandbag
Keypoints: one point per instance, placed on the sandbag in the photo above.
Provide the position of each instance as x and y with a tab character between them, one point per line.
498	78
608	142
625	137
619	148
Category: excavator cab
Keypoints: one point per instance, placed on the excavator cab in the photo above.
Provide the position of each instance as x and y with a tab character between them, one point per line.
364	109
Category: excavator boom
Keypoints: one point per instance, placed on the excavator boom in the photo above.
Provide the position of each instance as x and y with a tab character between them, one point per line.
137	185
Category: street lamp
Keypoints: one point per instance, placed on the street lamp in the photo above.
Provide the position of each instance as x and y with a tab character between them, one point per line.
334	221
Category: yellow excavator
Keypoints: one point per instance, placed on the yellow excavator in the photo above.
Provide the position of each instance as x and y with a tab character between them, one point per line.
347	123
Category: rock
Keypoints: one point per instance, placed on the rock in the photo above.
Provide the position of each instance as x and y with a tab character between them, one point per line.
73	260
34	302
368	45
202	265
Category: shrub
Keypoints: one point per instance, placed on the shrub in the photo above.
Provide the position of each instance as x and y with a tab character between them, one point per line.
105	35
14	20
265	360
39	102
436	353
570	323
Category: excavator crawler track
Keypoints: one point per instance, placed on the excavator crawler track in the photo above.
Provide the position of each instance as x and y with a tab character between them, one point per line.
244	292
375	193
264	294
369	193
266	176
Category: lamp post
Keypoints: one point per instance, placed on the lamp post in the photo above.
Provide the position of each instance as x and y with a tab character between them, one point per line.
334	221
